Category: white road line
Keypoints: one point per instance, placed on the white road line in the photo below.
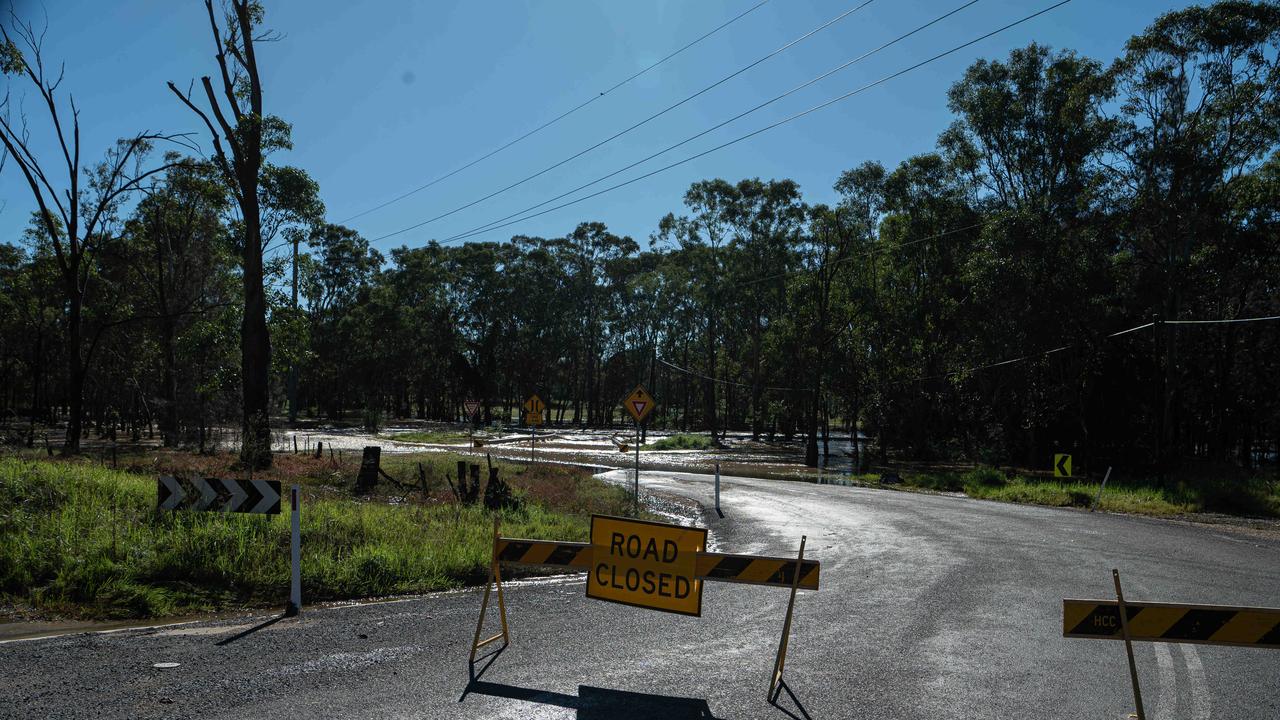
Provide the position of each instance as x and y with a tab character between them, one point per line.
1199	690
1167	701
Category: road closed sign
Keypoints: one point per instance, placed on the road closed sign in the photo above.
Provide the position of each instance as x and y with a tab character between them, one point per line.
646	564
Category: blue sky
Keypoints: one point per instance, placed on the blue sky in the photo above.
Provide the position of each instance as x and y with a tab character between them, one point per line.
386	96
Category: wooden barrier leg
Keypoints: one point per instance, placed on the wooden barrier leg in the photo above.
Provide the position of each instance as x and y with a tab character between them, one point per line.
775	678
495	578
1128	646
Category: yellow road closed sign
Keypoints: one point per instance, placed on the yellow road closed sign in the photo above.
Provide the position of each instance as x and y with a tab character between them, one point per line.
646	564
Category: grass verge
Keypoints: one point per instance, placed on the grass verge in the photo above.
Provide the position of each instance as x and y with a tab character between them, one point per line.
1238	496
431	436
77	539
681	441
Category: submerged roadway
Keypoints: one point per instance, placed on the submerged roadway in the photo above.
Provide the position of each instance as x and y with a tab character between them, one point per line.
930	607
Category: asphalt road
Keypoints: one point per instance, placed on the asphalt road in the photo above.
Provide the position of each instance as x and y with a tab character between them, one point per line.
930	607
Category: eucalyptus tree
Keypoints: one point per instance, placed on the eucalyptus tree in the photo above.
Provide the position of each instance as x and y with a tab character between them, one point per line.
243	136
708	229
1200	94
339	271
767	217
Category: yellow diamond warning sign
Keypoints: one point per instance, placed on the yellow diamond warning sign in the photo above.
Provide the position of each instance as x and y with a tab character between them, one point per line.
534	404
646	564
639	403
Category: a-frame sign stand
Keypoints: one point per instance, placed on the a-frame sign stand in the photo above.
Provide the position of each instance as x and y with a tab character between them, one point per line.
775	678
496	579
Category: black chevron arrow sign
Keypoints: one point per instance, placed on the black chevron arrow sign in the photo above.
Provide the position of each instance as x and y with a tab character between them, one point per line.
218	495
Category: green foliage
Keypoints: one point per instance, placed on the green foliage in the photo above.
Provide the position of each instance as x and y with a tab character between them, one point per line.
680	441
1230	494
82	539
11	60
432	436
982	477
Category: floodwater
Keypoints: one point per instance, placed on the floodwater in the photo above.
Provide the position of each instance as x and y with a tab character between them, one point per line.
588	447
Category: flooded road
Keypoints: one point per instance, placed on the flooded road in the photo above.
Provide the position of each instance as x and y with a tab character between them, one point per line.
593	448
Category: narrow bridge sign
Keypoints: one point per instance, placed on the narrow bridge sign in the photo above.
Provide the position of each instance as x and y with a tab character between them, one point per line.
646	564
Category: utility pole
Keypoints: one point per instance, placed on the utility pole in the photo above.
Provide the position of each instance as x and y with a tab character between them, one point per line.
293	369
1160	400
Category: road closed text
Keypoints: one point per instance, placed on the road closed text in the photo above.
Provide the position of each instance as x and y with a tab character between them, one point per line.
646	564
634	579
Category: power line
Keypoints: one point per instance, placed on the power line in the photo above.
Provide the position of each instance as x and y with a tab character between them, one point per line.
1043	353
620	133
1218	322
559	117
988	366
485	227
728	382
778	123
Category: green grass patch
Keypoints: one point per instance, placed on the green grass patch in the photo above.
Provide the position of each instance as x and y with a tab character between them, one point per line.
82	540
681	441
1235	496
431	436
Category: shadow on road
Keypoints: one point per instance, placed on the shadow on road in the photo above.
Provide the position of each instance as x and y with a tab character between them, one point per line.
782	685
594	703
251	630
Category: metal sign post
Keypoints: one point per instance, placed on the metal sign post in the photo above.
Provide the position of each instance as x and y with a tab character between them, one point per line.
1128	645
533	415
635	491
639	404
471	407
295	556
1101	487
718	491
775	678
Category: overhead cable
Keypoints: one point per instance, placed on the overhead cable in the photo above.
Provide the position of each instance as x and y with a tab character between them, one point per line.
559	117
620	133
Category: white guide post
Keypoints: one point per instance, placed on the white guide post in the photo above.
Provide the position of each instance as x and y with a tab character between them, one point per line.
295	556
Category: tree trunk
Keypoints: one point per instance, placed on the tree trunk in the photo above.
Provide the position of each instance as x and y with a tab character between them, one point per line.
255	341
756	412
811	423
169	385
75	369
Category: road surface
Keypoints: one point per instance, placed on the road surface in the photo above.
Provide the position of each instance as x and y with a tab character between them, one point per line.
930	607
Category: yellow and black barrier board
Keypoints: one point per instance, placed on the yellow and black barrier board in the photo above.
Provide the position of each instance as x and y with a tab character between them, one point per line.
544	552
646	564
748	569
1172	622
757	570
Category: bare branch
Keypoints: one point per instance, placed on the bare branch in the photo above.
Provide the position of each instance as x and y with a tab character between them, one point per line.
220	156
217	111
227	85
